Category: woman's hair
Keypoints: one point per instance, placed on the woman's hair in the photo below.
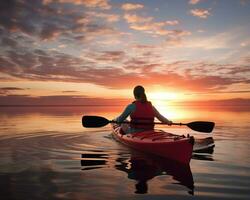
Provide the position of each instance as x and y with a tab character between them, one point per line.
139	93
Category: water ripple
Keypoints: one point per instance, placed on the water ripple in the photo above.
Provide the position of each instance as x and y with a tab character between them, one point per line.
86	159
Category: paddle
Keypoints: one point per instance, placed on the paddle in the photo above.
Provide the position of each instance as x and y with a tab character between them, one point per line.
97	121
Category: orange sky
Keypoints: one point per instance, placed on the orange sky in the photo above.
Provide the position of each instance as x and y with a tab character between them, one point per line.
60	51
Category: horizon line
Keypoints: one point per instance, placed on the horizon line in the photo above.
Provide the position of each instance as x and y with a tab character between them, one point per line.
99	105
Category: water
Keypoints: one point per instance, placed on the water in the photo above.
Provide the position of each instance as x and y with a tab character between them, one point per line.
45	153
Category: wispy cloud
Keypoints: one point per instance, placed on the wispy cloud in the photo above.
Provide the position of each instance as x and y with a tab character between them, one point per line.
106	16
133	18
201	13
172	23
131	6
69	91
229	41
55	66
245	43
9	42
147	24
102	4
193	2
218	41
58	100
155	28
244	2
107	56
10	90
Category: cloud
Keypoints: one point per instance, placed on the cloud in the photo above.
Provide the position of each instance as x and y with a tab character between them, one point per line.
201	13
107	56
10	13
149	26
9	90
131	6
147	21
218	41
57	100
174	42
240	70
244	2
126	72
69	91
245	60
51	20
119	68
235	104
225	92
35	20
107	17
157	28
102	4
193	2
50	31
43	24
133	18
143	46
9	42
174	22
7	65
245	43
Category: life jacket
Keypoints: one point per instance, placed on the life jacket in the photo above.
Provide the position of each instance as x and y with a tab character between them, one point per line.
143	113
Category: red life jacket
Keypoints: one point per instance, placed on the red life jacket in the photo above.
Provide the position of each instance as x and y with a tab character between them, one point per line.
143	113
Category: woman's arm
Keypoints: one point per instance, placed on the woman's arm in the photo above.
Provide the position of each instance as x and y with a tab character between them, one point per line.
128	110
161	117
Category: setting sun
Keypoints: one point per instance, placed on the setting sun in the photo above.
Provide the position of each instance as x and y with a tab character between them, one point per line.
165	96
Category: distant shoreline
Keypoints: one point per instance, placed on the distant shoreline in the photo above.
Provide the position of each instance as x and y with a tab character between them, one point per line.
93	105
54	105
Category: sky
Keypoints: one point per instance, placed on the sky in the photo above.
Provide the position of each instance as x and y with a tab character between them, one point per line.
96	51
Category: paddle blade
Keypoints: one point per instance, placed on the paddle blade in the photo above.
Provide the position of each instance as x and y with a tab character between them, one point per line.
201	126
94	121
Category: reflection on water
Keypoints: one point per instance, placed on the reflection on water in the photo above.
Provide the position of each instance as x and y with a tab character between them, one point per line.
207	157
142	168
45	153
94	160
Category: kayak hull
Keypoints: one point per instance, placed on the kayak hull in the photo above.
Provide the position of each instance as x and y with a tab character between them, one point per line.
158	142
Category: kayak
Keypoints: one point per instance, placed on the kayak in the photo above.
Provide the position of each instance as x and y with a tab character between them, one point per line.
157	142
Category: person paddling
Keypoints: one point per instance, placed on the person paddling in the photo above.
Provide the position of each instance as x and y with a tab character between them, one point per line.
141	112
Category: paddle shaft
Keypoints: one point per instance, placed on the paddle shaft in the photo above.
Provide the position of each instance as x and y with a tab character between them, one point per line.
158	123
97	121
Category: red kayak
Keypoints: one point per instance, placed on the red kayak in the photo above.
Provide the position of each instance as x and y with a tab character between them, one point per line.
158	142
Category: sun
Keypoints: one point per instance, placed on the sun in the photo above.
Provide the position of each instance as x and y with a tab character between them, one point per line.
165	103
163	96
162	99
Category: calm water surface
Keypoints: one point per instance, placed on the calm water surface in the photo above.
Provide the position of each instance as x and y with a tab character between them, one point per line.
45	153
